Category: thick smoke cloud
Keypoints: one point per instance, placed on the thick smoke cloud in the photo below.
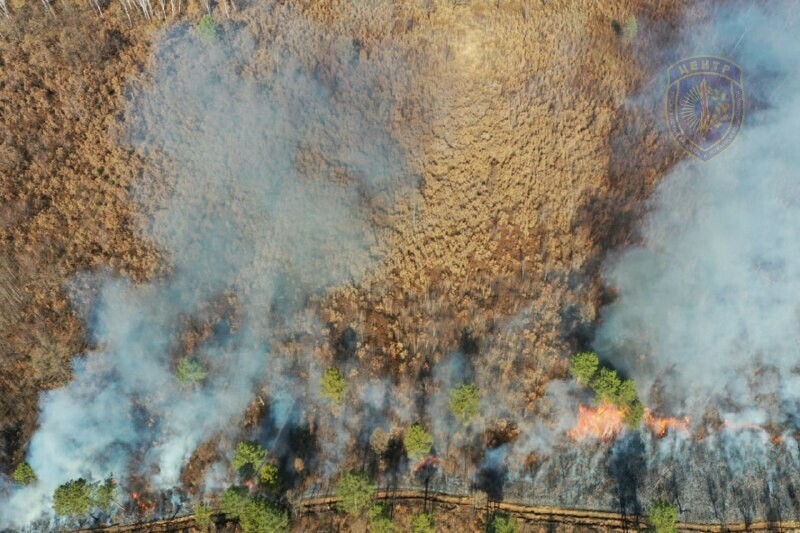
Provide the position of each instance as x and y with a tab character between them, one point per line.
260	188
707	315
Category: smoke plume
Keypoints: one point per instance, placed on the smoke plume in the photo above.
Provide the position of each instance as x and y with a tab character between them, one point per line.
706	315
261	189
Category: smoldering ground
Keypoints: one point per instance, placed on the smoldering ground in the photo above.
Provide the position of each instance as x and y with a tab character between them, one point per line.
261	191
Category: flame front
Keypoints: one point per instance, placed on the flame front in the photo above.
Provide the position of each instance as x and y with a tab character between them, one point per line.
660	426
606	421
599	423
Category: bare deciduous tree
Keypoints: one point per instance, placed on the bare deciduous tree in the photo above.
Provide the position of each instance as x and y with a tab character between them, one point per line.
96	7
125	7
146	8
49	8
4	8
379	441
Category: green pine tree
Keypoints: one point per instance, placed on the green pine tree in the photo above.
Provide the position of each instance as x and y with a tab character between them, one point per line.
464	402
417	442
583	367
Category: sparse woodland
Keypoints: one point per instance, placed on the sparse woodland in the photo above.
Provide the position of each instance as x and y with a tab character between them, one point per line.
510	118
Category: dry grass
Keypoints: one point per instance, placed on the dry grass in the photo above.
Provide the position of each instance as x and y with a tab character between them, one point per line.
511	115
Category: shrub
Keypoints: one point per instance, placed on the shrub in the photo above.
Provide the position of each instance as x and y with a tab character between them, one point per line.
423	523
24	474
606	385
255	514
417	441
634	412
207	28
73	498
503	523
583	367
202	515
631	27
663	517
333	387
355	492
464	402
190	371
248	458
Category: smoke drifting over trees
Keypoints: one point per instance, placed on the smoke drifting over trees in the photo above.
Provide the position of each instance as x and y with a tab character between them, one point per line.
269	179
267	203
706	315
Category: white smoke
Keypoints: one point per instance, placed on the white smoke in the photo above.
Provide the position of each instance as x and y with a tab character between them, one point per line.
260	194
709	298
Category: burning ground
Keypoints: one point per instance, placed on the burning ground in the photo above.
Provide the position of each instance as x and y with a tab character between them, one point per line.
418	196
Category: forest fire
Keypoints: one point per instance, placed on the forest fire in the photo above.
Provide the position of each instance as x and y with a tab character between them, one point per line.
142	505
600	423
660	426
606	421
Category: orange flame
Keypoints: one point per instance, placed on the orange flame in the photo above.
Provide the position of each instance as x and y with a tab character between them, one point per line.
142	505
599	423
660	426
606	421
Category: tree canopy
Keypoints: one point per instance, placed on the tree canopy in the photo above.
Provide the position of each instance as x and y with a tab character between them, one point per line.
423	523
333	386
24	474
255	514
464	402
103	494
663	517
207	28
355	492
190	371
270	477
379	521
73	498
606	385
78	497
202	515
248	457
626	392
583	367
634	412
417	441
